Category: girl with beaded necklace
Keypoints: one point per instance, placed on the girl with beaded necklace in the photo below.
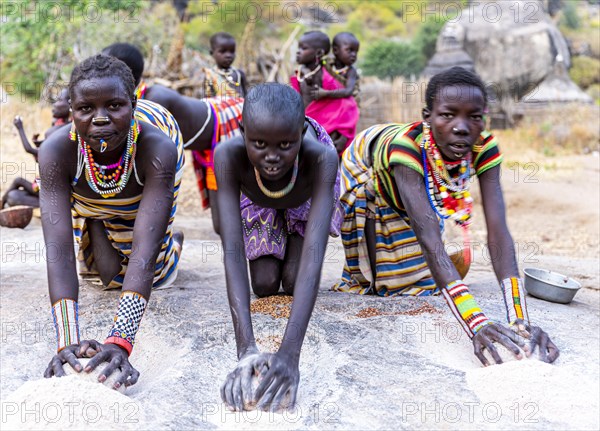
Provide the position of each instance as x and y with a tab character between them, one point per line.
286	169
402	182
325	98
112	179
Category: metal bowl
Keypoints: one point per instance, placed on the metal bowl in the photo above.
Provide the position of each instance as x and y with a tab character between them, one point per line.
551	286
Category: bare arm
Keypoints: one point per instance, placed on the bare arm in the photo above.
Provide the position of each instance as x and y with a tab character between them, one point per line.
500	242
424	222
313	250
236	273
153	213
18	122
340	93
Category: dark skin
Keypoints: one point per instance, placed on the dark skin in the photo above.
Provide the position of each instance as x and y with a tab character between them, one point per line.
456	120
309	56
156	160
223	51
271	146
21	191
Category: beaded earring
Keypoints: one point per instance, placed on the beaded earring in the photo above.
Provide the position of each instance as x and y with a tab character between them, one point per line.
73	132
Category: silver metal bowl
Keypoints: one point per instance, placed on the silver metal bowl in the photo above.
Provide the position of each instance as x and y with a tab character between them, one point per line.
551	286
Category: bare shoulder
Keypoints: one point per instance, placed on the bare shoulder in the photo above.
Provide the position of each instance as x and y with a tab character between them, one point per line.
155	144
58	146
231	150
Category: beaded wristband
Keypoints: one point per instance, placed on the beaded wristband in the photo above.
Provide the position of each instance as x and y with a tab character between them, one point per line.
514	299
464	307
65	313
127	320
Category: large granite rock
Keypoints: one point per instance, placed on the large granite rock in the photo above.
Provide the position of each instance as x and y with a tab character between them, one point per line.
513	46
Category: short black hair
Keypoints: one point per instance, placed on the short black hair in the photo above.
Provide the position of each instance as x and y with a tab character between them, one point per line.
273	100
319	40
344	35
102	66
453	76
130	55
214	39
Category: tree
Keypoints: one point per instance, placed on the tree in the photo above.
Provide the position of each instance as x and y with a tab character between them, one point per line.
388	59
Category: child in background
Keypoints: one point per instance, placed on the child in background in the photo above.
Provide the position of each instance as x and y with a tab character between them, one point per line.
23	191
325	98
223	80
345	48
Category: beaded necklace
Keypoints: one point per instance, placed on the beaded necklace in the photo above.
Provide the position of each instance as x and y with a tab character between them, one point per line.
308	75
108	185
280	193
340	71
453	200
448	196
228	75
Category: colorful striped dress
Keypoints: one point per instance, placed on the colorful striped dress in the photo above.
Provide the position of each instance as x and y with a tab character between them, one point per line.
227	114
369	191
119	215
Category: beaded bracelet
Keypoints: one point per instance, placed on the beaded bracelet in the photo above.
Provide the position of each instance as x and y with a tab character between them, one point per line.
65	313
464	307
127	320
514	299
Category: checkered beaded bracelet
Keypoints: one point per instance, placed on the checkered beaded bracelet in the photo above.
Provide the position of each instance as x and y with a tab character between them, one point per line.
127	320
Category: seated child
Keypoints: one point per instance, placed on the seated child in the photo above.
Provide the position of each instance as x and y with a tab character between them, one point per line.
286	169
204	123
402	181
22	191
325	98
223	80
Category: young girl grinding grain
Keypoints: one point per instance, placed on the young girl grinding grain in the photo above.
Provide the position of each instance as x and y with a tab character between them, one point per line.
111	179
402	181
285	168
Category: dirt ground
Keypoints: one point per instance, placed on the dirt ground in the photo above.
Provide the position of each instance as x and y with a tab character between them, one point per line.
367	363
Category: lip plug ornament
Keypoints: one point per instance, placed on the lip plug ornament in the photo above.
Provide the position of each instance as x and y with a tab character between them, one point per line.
103	145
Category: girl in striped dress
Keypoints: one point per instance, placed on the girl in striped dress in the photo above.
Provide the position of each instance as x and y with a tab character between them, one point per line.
112	179
402	181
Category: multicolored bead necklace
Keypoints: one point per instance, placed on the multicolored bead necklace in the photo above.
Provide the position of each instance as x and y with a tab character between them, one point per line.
340	71
108	185
280	193
448	196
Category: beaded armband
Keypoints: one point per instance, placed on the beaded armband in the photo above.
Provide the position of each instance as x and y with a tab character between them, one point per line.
514	299
127	320
464	307
65	313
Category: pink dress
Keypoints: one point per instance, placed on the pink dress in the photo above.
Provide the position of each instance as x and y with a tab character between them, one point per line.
339	115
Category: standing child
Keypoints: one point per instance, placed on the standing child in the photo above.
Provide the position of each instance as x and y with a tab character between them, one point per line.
22	191
286	170
402	181
325	98
223	80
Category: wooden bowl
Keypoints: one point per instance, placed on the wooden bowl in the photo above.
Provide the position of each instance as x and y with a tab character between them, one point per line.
458	260
17	216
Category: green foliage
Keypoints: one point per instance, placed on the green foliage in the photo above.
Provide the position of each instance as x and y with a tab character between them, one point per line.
41	41
585	71
570	18
388	59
